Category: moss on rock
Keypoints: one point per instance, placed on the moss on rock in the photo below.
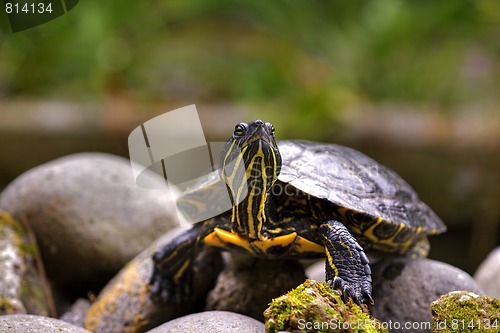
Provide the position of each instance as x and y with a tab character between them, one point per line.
10	306
23	287
315	307
464	311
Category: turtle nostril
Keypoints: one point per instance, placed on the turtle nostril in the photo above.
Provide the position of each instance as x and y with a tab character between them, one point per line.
259	122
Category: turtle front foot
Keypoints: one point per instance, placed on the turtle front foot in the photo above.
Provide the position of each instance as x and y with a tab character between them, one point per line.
171	281
167	290
360	294
347	266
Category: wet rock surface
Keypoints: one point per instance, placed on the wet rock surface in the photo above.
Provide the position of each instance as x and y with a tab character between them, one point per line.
488	274
87	206
23	286
125	304
403	288
247	285
36	324
211	321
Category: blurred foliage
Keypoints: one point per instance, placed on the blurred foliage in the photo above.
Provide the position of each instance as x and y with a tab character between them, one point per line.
296	56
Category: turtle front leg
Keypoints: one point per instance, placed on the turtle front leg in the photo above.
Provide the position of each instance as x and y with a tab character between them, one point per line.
347	266
172	276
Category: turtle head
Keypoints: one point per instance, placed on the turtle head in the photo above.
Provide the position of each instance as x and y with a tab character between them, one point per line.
250	164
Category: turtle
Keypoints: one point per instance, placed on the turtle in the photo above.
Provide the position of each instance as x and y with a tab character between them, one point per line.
296	199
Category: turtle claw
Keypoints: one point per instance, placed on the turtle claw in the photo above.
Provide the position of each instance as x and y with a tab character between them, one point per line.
165	290
161	289
347	266
359	290
358	295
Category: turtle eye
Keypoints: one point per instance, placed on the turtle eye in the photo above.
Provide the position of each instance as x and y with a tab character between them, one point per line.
271	128
239	130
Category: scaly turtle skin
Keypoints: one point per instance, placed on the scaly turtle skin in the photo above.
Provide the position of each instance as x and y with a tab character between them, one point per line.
297	199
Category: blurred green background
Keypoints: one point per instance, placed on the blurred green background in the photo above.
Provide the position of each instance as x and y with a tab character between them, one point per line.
414	84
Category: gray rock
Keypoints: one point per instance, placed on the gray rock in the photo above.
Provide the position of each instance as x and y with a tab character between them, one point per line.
76	314
36	324
213	322
316	271
125	304
488	274
88	215
403	289
247	285
23	286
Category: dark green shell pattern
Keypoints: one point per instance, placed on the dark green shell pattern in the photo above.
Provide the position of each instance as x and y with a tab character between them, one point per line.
367	194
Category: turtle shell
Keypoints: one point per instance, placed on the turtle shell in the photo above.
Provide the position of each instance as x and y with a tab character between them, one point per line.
352	180
343	176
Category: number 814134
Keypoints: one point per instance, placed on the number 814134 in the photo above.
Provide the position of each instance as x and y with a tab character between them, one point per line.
28	8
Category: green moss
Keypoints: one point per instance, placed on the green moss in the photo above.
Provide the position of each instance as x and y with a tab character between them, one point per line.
33	296
31	293
7	307
28	249
460	311
20	238
4	304
7	221
12	229
315	307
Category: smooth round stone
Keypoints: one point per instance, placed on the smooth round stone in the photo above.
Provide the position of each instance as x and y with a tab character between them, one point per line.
88	215
404	288
125	305
36	324
247	285
316	271
213	322
488	273
76	314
